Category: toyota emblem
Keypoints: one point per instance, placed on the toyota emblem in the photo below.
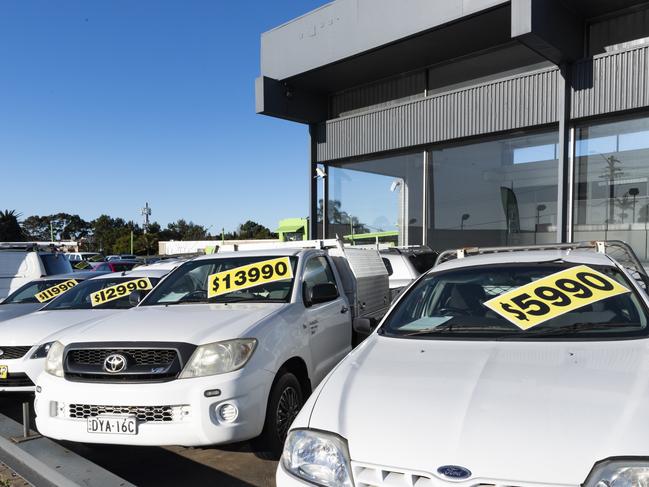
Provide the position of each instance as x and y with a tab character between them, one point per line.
115	363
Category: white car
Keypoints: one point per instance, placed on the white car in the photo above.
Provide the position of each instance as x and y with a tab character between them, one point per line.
225	349
525	368
25	340
37	293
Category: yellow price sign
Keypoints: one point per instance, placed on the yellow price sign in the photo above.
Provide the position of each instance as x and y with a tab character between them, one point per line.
248	276
54	291
118	291
554	295
4	372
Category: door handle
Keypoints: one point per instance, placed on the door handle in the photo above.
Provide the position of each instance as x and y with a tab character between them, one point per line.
344	309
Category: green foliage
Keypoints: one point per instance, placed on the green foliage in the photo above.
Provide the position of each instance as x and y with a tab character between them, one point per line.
10	230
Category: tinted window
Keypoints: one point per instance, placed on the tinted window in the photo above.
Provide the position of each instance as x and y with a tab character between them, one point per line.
388	266
28	292
318	271
125	266
423	262
56	264
79	296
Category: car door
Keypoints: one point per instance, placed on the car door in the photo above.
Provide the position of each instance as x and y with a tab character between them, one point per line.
328	324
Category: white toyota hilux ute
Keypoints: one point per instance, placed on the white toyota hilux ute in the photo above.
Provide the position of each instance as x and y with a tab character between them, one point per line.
225	349
516	368
25	340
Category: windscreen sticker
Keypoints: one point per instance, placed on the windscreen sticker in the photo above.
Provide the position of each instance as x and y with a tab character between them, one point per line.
118	291
54	291
248	276
554	295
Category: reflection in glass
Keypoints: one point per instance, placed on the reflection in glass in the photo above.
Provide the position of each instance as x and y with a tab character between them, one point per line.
497	192
611	190
379	199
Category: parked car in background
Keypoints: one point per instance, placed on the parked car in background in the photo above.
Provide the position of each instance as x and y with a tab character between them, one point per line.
21	263
225	349
115	265
405	264
75	257
121	257
499	367
37	293
25	341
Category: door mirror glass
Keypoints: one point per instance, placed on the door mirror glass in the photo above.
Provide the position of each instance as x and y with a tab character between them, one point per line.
363	326
322	293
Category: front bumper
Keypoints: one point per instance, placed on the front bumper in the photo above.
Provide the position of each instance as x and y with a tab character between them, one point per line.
23	373
189	418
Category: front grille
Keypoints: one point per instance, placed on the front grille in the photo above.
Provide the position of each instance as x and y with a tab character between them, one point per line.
139	356
18	379
145	361
378	476
12	353
143	413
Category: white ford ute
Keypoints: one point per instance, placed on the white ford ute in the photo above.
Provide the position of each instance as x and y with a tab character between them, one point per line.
225	349
516	368
25	340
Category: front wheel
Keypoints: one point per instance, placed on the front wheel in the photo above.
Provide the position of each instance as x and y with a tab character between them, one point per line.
285	401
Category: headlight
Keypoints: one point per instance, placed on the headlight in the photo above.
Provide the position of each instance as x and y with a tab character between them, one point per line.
42	350
317	457
219	358
54	360
619	473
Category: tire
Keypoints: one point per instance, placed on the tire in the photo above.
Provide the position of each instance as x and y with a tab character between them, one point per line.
285	401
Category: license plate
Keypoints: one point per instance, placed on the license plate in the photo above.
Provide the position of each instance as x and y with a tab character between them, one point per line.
116	425
4	371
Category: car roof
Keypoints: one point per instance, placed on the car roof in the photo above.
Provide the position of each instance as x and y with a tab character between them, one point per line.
72	275
252	253
138	272
527	257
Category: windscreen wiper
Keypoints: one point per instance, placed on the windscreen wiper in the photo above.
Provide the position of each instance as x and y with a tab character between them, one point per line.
569	329
454	328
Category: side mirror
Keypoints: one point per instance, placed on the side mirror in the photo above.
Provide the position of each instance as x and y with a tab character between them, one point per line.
321	293
134	298
362	326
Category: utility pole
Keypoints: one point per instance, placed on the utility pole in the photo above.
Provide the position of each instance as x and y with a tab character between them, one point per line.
146	213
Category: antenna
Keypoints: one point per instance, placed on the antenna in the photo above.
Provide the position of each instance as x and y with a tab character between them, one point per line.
146	213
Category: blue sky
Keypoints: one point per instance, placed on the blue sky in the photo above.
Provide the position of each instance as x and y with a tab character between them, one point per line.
107	104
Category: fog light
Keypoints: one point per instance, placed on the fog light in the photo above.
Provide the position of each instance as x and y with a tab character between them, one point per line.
228	413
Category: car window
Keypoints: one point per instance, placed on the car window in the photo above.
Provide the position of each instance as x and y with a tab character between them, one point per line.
28	292
56	264
126	266
317	271
451	304
423	262
190	283
79	297
102	267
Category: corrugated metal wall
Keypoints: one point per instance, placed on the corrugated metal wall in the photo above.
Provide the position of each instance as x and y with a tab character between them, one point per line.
611	83
383	94
506	104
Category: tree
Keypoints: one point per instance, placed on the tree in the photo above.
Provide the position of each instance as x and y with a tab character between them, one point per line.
183	230
255	231
10	230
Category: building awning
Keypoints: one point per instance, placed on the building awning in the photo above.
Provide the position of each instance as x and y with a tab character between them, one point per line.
290	228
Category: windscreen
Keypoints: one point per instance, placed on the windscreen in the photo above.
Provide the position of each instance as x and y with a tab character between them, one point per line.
27	293
56	264
520	302
227	279
84	296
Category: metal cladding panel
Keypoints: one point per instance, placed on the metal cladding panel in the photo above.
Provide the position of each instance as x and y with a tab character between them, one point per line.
379	95
611	82
506	104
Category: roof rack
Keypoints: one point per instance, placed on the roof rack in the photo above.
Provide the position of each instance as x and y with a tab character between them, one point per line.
617	250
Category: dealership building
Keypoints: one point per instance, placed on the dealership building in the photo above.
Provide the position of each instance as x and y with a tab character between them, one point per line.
470	122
